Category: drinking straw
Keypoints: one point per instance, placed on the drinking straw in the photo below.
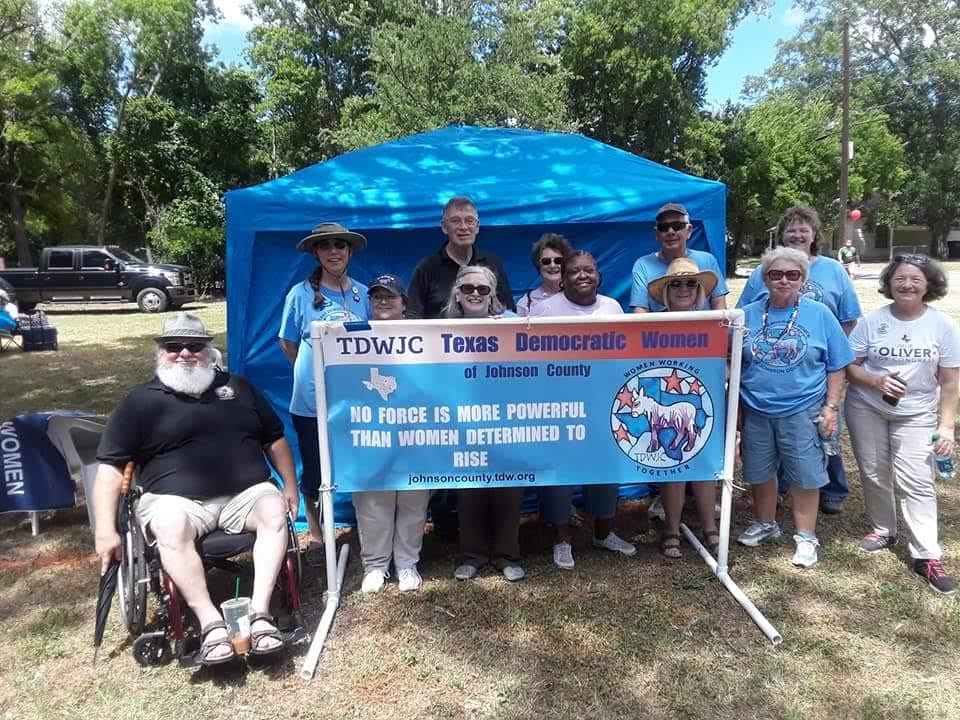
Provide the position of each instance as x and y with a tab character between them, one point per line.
236	589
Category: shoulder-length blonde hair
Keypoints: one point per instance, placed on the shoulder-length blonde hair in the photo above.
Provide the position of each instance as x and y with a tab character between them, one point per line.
453	309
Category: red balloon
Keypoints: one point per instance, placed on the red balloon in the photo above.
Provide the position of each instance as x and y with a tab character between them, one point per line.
855	214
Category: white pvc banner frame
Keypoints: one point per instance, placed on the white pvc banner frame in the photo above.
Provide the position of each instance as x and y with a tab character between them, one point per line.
336	565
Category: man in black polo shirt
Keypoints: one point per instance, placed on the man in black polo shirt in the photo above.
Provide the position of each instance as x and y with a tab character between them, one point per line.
434	275
198	436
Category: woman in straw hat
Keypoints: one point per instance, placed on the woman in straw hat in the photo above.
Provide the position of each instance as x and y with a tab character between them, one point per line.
327	294
685	288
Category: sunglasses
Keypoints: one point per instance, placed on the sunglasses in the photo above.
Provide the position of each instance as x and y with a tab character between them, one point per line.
791	275
551	261
689	284
675	225
469	289
327	244
176	347
912	259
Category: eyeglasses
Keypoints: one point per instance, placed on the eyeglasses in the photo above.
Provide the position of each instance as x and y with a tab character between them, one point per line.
176	348
458	221
469	289
384	298
675	225
689	284
791	275
912	259
546	262
328	244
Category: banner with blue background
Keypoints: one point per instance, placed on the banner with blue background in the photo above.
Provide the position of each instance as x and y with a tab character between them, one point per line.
553	401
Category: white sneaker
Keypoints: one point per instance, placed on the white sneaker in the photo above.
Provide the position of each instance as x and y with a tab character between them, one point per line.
806	554
563	556
514	573
409	579
465	571
373	581
615	544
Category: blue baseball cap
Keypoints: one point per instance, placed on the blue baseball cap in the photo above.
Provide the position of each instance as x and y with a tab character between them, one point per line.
389	282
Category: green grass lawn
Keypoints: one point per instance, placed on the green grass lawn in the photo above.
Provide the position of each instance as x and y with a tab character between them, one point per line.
617	638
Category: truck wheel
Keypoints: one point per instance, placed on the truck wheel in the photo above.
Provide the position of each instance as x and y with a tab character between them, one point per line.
152	300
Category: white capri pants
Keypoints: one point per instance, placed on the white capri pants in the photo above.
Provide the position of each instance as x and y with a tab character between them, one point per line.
390	524
894	457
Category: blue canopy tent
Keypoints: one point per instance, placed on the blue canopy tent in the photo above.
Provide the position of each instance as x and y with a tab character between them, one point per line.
523	182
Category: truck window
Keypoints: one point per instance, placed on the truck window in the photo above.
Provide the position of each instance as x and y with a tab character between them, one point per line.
95	260
60	260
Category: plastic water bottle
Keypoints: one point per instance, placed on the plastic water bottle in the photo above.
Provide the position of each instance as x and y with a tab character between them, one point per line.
830	442
946	470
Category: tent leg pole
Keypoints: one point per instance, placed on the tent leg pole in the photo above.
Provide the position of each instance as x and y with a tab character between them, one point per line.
336	569
34	523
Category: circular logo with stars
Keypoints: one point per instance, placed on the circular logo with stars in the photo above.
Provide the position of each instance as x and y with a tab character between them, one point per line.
813	291
661	417
774	350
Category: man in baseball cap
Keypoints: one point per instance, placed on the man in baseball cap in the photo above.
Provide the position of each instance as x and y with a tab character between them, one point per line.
672	229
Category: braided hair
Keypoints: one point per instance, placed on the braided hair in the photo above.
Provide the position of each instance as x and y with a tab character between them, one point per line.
319	299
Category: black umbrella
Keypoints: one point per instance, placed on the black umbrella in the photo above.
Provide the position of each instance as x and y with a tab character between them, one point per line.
108	586
108	579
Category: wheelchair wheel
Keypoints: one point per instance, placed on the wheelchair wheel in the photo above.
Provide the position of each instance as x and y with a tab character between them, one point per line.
152	649
133	584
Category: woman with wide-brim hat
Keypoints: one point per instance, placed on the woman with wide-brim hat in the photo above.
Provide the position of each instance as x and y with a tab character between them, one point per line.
683	289
329	293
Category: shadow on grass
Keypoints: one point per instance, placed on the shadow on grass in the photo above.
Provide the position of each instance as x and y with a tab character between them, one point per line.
66	309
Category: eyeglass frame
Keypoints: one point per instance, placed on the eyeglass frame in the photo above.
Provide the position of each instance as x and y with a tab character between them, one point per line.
479	289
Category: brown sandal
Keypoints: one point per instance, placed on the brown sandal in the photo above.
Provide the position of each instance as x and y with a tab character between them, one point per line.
257	635
711	538
670	546
208	646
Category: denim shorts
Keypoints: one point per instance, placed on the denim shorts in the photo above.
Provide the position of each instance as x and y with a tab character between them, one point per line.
791	442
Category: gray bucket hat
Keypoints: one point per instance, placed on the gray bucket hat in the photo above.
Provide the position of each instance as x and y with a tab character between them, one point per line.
183	326
331	231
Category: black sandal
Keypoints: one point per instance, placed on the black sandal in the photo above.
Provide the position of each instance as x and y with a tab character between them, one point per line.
257	635
207	646
670	546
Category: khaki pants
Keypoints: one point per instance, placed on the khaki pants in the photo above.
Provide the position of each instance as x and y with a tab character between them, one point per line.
391	526
894	457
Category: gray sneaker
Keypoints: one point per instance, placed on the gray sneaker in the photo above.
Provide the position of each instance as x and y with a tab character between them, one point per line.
563	556
465	571
616	544
514	573
873	542
759	532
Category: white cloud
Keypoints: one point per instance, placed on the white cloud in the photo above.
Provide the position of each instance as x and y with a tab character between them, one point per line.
233	15
794	16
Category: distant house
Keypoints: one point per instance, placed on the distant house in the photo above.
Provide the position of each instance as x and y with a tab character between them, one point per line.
883	243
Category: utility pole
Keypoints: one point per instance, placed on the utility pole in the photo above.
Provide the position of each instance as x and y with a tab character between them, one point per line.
844	135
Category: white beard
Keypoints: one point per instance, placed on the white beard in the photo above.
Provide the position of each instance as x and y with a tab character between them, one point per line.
186	378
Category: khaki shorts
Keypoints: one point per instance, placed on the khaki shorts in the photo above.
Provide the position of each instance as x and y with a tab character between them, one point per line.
226	512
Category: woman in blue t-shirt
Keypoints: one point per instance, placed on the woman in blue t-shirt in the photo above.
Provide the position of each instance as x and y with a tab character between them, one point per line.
794	355
828	283
328	294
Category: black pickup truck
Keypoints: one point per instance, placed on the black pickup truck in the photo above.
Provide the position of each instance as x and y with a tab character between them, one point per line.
91	273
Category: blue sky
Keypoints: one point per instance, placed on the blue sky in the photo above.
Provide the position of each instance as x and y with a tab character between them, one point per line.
752	50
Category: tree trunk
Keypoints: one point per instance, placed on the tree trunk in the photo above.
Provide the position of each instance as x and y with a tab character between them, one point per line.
18	214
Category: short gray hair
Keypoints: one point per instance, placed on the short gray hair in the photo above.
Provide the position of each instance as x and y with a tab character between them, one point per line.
791	255
453	310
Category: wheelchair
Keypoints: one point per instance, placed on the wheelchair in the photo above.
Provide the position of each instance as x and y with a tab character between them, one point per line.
173	631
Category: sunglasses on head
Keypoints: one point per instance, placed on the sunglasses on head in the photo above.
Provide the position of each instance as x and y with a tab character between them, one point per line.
548	261
675	225
327	244
912	259
177	347
791	275
470	288
691	284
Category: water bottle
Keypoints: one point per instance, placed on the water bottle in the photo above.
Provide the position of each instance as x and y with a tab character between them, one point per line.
829	442
945	467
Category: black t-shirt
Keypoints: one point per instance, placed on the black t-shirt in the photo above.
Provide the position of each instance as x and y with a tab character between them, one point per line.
197	448
433	279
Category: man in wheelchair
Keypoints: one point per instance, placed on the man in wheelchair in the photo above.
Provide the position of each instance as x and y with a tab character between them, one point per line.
198	437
